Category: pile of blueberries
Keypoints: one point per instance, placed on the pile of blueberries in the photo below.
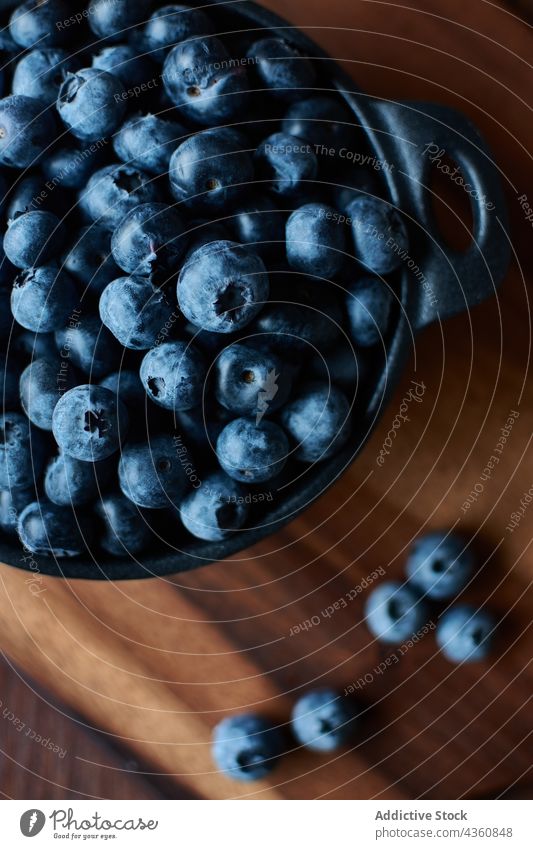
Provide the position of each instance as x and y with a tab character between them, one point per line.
247	747
439	567
193	284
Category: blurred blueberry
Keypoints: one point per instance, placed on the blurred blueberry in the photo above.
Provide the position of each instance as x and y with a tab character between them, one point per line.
282	68
37	24
394	612
439	564
114	19
172	24
90	260
287	164
127	386
125	531
323	721
41	384
465	634
12	503
124	62
258	224
71	167
369	305
322	121
246	747
52	531
379	233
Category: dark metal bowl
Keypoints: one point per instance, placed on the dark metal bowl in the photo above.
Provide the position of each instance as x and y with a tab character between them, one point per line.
398	133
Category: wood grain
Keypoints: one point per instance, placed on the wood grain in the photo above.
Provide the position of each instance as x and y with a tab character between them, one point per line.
155	664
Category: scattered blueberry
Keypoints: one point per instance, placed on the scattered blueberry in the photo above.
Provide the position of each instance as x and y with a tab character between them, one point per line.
318	421
216	509
394	612
465	634
33	238
316	242
282	68
222	287
379	233
369	306
41	385
440	564
86	423
173	375
211	170
52	531
125	531
247	747
43	298
250	452
149	240
151	474
75	482
36	23
323	720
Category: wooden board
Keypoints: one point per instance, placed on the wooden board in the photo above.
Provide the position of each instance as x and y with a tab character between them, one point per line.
153	665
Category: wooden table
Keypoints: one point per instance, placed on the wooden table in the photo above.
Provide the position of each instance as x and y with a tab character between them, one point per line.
153	665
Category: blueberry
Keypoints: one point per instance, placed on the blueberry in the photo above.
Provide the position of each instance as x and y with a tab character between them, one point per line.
9	384
203	81
115	190
90	103
394	612
369	306
26	195
440	564
33	238
347	367
32	346
114	19
171	25
86	423
22	452
321	121
124	62
246	747
353	185
90	345
127	386
216	509
26	131
211	170
147	142
75	482
41	384
380	236
151	474
260	225
12	503
316	241
173	375
300	319
124	529
43	298
251	382
204	233
90	260
282	68
38	23
287	164
71	167
318	421
465	634
202	426
52	531
252	453
149	240
135	311
40	73
323	721
222	287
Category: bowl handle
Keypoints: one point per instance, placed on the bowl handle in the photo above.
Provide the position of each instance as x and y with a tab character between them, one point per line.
413	138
